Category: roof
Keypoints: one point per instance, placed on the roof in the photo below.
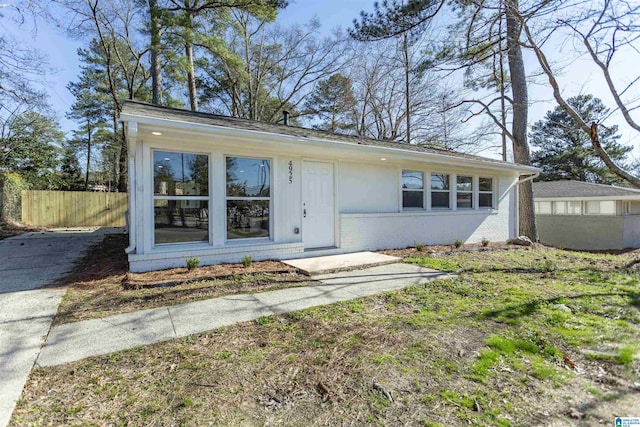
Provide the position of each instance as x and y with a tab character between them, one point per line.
134	109
579	189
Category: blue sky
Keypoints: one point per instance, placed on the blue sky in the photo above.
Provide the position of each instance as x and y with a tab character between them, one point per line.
578	76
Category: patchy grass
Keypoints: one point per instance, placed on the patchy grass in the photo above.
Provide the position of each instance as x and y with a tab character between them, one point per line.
100	285
502	344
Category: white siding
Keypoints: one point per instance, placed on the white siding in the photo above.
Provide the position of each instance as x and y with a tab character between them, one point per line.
368	188
399	230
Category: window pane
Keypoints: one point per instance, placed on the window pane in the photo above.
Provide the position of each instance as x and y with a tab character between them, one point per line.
439	199
485	184
439	181
575	208
412	180
485	200
247	219
464	183
608	207
412	199
592	207
560	208
181	221
464	201
180	174
544	207
248	177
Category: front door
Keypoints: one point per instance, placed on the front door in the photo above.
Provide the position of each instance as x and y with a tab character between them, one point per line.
318	216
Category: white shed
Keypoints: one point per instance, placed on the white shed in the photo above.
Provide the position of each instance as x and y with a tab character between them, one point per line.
219	188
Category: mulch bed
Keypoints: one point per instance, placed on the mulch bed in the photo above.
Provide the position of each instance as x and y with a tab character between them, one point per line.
12	229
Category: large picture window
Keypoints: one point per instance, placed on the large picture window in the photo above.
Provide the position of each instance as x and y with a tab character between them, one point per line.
248	197
464	192
440	189
180	197
412	189
485	192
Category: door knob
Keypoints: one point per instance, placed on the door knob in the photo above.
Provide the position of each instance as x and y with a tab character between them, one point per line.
304	213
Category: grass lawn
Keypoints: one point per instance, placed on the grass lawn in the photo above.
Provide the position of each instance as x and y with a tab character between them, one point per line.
527	337
100	285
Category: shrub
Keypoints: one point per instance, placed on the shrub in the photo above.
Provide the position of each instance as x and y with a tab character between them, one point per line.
419	246
485	242
247	260
457	243
192	262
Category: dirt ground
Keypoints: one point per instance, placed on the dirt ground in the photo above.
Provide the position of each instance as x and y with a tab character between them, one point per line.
14	229
523	337
101	285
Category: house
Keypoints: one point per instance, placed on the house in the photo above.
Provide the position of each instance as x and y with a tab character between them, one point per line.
219	188
581	215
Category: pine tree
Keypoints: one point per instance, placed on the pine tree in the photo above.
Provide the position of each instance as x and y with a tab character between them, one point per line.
333	103
565	151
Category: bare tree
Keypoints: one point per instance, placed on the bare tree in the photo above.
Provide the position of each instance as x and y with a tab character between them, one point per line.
114	25
270	68
604	30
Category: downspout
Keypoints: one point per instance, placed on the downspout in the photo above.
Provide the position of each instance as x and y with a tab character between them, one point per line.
132	135
517	199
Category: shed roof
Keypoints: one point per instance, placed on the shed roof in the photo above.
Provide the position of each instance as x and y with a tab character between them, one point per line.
133	109
579	189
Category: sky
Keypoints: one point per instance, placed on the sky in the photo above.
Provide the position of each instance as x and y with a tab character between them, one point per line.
577	76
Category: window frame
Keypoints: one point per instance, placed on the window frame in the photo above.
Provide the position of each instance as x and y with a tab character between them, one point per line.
471	192
227	198
420	190
206	198
448	192
492	192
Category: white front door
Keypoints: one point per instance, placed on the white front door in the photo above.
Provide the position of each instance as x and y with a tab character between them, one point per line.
318	216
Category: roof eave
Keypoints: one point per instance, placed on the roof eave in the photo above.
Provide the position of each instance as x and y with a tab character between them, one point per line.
276	137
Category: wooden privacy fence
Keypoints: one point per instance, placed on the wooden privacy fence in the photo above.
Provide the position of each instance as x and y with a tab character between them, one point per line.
73	208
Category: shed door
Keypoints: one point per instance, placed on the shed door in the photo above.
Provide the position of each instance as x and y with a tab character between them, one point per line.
318	216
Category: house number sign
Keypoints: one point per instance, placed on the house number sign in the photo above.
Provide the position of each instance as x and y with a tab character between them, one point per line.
290	172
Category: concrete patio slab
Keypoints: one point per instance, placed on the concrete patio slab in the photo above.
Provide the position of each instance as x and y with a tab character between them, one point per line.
333	263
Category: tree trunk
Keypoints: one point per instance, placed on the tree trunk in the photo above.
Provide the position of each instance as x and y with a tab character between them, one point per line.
156	70
407	92
86	175
123	178
520	112
191	73
191	77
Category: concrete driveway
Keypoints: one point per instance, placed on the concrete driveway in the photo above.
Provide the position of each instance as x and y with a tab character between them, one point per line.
28	263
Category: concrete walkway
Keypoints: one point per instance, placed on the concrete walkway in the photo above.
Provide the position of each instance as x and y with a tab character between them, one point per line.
74	341
29	262
334	263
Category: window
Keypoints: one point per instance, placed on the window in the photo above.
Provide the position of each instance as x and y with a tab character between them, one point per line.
412	189
485	192
607	207
592	207
464	195
440	191
560	208
180	197
248	198
544	208
575	208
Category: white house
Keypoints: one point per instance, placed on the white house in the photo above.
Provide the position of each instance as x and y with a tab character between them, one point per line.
220	188
582	215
